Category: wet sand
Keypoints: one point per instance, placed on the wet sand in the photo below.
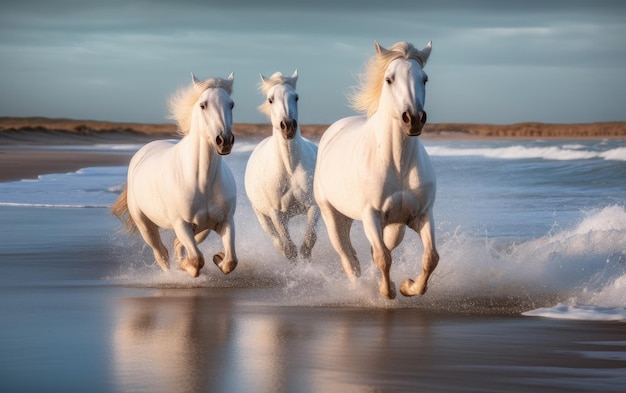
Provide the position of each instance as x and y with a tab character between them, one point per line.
68	324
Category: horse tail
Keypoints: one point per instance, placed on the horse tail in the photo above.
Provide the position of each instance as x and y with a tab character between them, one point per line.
120	210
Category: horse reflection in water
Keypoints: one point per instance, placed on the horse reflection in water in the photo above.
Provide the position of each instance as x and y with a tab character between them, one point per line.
186	186
279	174
169	342
373	168
205	340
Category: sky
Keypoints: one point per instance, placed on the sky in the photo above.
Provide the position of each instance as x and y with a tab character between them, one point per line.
497	62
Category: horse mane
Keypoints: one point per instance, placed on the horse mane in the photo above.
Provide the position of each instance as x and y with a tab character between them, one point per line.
277	78
182	102
365	99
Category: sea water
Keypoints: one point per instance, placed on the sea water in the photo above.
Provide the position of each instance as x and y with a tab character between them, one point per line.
535	226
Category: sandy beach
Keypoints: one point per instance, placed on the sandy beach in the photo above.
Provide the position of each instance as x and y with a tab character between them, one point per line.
84	309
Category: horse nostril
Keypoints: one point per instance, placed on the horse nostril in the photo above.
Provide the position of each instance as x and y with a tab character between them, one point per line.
283	125
219	140
423	117
295	123
406	118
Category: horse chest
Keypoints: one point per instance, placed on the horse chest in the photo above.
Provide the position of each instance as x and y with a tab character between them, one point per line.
296	191
401	197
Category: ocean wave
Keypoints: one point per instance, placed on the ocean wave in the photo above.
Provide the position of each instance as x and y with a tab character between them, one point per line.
579	312
54	205
556	153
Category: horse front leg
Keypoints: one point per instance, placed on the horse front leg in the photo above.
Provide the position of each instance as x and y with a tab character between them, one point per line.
194	260
430	259
310	236
180	250
226	262
289	249
380	253
150	233
268	227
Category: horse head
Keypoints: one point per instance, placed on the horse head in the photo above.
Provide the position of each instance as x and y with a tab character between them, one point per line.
281	104
213	112
404	86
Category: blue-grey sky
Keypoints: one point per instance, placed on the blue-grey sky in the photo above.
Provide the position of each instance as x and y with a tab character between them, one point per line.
492	61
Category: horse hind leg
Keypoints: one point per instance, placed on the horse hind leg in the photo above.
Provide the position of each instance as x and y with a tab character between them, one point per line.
430	259
338	227
150	233
310	236
393	235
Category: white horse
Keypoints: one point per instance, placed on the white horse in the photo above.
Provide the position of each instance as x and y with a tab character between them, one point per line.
185	186
279	174
373	168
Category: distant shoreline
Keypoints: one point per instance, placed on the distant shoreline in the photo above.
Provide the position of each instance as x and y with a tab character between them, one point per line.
42	130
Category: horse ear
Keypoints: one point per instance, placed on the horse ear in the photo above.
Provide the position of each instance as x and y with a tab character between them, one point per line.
231	76
263	78
295	74
379	49
426	51
194	80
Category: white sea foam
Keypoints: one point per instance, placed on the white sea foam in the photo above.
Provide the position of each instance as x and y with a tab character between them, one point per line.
516	152
585	264
87	187
580	312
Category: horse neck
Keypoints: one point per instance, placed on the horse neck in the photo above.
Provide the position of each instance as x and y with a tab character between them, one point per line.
199	158
289	150
389	139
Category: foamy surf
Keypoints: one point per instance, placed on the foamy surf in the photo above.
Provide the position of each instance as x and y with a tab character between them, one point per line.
557	153
583	266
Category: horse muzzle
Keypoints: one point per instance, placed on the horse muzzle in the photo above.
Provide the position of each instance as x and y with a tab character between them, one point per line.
413	124
288	128
224	143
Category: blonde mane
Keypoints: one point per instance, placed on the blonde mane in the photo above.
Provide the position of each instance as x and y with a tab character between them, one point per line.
182	102
365	99
276	79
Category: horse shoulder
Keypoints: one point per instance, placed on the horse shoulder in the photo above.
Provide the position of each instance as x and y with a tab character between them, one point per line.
339	129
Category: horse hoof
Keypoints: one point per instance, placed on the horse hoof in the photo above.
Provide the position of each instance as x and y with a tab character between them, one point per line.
388	291
225	266
187	266
407	288
291	252
305	252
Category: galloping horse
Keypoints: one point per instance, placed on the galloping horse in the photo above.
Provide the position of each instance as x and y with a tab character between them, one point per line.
185	186
373	167
279	174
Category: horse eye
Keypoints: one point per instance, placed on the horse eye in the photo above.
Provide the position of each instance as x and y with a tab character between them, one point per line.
297	97
202	105
270	100
425	80
388	80
232	105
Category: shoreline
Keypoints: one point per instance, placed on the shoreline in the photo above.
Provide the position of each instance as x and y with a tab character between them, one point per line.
31	130
29	163
24	142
